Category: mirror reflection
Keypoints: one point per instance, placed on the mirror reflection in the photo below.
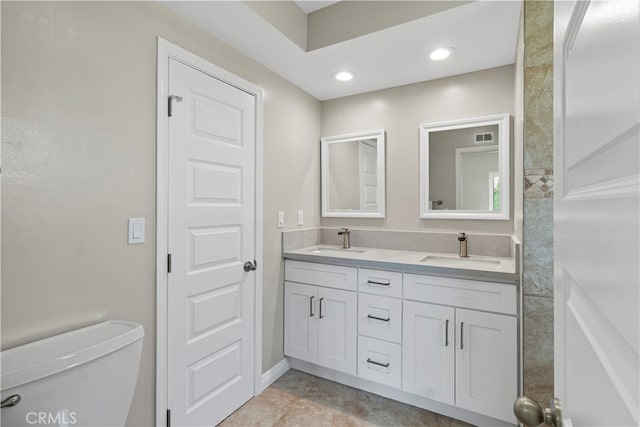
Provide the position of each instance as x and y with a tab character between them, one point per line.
464	167
353	175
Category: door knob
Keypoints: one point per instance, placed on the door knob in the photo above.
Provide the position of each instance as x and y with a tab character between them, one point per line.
250	266
531	414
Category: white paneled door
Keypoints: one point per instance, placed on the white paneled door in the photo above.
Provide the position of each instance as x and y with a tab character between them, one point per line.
596	215
211	234
368	175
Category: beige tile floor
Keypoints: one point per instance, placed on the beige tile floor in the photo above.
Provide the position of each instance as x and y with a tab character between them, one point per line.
299	399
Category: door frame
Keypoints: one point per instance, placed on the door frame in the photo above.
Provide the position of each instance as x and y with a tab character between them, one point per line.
165	51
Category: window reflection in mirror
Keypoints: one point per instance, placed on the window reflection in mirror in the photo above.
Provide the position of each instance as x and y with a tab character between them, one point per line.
353	175
464	168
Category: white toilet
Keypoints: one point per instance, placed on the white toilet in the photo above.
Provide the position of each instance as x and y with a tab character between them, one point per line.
84	377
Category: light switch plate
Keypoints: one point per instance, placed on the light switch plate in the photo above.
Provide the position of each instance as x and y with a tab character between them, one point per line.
280	219
300	217
136	231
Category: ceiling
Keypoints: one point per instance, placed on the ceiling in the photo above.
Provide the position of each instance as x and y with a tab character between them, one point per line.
309	6
483	33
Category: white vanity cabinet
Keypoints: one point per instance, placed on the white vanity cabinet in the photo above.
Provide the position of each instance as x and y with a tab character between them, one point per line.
444	344
460	356
320	321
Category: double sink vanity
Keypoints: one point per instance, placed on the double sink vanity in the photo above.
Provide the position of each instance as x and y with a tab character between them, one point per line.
428	318
435	330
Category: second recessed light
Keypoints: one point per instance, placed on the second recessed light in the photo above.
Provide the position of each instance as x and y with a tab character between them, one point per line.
441	53
343	76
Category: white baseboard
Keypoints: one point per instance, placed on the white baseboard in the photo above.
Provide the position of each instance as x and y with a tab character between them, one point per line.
274	373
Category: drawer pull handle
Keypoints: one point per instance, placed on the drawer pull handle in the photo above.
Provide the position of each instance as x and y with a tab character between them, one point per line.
378	318
311	306
321	316
446	333
461	335
374	282
384	365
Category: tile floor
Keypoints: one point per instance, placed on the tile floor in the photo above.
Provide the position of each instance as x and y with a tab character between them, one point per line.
299	399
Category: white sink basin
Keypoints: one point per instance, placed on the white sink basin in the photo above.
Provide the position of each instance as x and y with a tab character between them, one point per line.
458	262
335	251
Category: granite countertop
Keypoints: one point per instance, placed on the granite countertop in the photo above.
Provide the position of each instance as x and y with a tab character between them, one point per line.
438	264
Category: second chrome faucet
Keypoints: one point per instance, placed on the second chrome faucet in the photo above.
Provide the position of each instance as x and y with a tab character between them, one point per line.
345	233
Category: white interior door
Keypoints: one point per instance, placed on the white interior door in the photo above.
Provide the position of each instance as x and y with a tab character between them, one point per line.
211	233
368	159
597	96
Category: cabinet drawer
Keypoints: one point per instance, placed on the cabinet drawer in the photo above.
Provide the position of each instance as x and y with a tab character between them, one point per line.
380	317
379	282
497	297
380	361
332	276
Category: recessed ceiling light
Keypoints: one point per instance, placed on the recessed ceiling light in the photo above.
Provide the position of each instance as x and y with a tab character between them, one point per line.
343	76
441	53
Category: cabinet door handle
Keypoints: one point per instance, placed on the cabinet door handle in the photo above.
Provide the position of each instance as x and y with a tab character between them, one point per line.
375	282
446	333
321	316
311	306
461	335
378	318
384	365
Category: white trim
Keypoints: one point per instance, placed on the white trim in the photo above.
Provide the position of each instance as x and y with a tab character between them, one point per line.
165	51
504	142
379	136
272	375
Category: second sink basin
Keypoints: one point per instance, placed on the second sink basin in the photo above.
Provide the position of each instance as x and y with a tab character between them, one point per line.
459	262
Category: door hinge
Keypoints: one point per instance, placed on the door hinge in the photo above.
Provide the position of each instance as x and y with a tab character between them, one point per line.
168	417
168	263
170	103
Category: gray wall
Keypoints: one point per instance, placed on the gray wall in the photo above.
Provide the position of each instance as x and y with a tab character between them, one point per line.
400	111
78	145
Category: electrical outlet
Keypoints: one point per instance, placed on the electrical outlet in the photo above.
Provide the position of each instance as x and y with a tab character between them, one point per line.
300	217
280	219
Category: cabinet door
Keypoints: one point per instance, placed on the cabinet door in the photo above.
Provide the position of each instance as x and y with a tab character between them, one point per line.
486	363
428	351
337	318
300	321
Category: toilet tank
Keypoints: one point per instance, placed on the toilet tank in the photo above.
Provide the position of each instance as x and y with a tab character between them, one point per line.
84	377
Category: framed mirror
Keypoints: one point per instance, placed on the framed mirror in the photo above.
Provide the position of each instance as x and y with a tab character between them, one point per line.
464	168
353	176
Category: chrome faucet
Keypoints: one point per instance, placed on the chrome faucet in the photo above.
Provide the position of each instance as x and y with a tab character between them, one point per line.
345	233
462	238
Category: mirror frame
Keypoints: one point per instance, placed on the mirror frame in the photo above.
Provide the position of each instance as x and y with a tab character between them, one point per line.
325	142
504	139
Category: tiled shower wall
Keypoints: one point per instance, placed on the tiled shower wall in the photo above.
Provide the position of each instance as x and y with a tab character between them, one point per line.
538	201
